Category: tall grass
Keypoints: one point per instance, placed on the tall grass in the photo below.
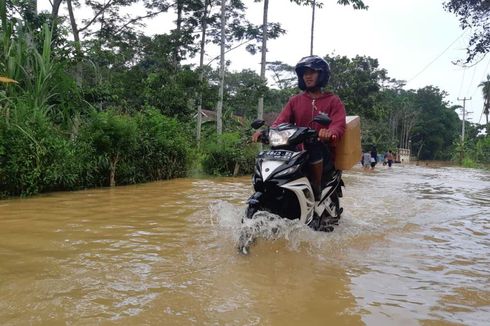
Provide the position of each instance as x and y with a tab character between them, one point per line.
33	67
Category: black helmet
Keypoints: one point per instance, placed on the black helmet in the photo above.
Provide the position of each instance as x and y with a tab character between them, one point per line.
316	63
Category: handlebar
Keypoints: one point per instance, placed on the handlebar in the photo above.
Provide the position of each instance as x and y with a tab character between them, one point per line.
309	135
321	118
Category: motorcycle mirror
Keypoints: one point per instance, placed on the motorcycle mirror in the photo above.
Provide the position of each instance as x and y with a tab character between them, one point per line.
322	119
257	123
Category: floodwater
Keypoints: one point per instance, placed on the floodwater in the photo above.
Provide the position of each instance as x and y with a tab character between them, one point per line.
412	248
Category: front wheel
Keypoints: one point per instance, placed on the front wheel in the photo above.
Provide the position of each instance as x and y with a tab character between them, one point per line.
320	224
250	211
247	234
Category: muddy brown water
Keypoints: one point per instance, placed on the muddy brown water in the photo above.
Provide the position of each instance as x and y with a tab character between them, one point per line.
412	248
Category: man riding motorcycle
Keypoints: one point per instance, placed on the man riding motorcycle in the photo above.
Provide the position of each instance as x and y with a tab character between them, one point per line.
313	75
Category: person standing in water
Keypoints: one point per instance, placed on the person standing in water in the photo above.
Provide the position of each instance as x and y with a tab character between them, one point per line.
389	158
374	157
366	160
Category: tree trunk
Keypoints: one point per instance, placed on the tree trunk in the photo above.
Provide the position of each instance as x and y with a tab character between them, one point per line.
112	179
3	14
78	47
31	9
312	26
74	28
420	149
236	169
486	116
112	172
204	25
75	126
55	9
395	124
260	107
54	14
487	109
402	132
180	6
219	109
199	119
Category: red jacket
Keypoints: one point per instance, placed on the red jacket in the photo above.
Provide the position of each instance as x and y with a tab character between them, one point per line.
301	109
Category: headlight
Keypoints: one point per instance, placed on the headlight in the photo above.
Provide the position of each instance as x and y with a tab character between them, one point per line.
290	170
280	138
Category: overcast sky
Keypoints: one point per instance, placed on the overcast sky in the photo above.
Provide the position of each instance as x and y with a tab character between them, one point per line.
405	35
415	40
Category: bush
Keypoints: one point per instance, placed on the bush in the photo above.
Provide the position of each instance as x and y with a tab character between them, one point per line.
112	137
483	150
224	155
469	163
146	147
35	156
163	150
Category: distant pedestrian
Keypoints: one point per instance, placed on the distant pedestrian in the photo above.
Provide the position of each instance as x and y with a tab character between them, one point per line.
389	158
366	160
374	157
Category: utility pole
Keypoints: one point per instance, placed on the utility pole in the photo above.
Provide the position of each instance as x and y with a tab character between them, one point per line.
464	99
312	27
263	60
486	109
219	108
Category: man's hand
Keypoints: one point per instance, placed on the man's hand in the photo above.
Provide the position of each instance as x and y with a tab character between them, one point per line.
325	135
256	136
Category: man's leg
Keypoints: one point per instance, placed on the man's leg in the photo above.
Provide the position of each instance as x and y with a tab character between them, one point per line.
319	155
316	171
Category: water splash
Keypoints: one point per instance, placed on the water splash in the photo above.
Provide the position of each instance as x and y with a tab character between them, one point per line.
229	220
265	226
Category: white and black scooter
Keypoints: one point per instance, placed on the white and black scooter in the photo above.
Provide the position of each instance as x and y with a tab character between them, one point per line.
281	183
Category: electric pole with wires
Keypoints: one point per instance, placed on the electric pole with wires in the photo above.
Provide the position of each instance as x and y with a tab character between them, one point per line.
486	109
464	99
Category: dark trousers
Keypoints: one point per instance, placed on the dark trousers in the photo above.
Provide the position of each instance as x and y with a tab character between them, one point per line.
320	151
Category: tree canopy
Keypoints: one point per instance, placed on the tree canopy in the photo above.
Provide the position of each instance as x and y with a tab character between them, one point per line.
95	102
474	15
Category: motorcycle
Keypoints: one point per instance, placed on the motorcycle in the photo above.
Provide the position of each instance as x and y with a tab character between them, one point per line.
281	182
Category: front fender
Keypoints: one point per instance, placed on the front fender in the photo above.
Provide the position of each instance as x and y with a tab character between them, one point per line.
253	204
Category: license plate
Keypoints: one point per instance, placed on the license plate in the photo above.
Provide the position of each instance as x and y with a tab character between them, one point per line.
278	155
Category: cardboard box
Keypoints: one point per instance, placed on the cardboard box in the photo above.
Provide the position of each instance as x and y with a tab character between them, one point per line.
348	150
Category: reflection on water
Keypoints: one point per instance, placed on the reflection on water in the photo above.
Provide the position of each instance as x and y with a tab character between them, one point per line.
412	248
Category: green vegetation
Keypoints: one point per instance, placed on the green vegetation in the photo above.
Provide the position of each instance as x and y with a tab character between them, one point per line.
474	152
96	103
230	154
473	15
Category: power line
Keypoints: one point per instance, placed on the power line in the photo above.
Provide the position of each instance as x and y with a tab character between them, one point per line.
440	55
472	78
462	82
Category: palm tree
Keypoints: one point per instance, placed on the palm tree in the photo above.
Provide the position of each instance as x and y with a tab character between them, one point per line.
486	96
